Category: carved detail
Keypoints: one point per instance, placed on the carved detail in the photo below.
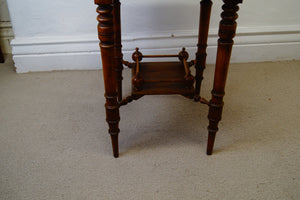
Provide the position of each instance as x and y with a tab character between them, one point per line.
137	80
128	64
105	27
129	99
137	55
110	66
183	55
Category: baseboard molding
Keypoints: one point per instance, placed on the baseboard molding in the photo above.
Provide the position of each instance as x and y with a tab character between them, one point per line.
252	44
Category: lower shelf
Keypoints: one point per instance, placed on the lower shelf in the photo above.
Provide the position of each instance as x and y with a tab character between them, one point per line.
163	78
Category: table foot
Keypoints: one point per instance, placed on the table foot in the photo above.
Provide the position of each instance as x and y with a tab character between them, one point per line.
115	145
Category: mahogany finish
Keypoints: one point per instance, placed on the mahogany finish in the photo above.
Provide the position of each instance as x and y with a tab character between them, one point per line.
164	78
226	33
1	56
110	69
118	47
205	12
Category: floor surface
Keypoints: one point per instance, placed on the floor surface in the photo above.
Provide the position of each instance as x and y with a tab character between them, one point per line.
54	142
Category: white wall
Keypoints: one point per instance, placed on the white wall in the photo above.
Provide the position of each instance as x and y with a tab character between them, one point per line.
56	34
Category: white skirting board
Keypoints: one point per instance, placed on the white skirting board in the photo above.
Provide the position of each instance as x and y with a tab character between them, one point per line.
252	44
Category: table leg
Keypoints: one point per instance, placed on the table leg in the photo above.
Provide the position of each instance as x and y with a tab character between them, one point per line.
118	47
106	36
1	56
205	12
226	33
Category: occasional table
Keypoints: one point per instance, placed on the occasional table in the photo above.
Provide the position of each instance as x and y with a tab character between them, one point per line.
164	78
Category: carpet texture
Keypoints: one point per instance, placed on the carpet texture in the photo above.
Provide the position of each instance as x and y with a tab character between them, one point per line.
54	142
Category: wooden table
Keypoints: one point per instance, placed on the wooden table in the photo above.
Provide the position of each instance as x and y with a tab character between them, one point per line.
164	78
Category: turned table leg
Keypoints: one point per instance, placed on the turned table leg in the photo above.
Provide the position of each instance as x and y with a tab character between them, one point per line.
118	47
205	12
107	41
226	33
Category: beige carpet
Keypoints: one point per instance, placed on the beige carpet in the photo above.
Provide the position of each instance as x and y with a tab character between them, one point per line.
54	142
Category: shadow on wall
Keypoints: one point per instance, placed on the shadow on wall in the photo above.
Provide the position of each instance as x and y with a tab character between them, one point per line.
6	33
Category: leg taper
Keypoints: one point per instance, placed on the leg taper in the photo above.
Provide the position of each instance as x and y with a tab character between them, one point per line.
226	33
115	144
110	66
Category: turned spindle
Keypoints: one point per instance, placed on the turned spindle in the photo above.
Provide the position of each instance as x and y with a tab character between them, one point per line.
227	31
110	68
